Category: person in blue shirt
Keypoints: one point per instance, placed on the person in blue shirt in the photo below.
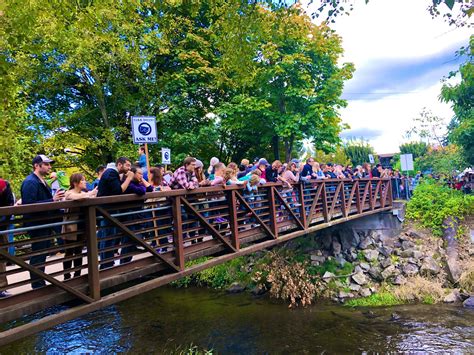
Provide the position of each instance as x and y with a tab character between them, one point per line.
99	171
34	189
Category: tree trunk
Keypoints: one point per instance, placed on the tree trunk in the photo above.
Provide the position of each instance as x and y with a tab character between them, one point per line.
276	147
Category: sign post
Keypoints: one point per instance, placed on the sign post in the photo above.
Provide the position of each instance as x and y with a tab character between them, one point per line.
406	161
371	159
165	157
144	132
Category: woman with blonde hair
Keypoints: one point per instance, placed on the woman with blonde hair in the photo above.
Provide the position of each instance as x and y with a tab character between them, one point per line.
76	192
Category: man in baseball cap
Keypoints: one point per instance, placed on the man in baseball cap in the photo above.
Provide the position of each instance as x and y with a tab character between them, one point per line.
41	158
34	189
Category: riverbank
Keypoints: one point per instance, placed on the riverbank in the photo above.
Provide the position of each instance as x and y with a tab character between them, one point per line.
354	267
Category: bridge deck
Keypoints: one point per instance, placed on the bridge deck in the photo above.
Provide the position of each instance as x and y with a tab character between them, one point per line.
124	238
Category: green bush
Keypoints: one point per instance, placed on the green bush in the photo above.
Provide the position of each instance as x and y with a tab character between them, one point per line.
433	202
375	300
216	277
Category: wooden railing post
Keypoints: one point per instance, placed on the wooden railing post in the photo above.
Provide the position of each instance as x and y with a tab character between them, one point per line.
359	207
92	253
178	232
234	227
273	212
302	207
390	192
342	195
325	203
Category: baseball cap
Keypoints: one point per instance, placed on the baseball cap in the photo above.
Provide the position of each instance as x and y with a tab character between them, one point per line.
42	159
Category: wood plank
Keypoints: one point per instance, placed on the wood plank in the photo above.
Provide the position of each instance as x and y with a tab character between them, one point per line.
313	205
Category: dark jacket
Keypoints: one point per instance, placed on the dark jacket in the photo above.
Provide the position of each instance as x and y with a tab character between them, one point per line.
271	174
34	191
109	183
137	188
375	173
6	199
307	171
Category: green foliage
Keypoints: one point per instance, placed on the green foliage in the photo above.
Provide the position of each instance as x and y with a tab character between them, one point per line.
442	160
337	157
461	98
333	267
358	150
418	149
432	203
216	277
230	79
384	298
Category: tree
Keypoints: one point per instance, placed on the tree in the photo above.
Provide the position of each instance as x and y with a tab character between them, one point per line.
428	127
461	97
417	149
442	160
358	150
337	157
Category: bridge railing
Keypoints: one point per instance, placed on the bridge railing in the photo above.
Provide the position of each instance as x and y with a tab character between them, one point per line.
76	249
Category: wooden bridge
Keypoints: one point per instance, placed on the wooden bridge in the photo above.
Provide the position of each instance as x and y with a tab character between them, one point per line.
124	238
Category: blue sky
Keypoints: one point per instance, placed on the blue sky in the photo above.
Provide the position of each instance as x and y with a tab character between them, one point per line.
400	54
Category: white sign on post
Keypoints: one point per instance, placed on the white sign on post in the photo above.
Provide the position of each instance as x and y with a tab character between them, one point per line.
165	156
371	159
406	161
144	130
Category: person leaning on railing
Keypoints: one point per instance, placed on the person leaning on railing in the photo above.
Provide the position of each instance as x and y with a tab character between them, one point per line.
34	189
111	185
184	177
6	199
76	192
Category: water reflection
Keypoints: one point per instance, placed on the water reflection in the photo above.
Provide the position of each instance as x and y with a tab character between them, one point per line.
165	319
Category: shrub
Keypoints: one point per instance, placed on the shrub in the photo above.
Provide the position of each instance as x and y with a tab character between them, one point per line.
433	202
286	279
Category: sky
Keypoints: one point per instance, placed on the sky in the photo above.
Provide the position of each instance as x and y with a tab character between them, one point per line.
400	54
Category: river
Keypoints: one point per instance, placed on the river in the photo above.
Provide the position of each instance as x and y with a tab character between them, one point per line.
170	319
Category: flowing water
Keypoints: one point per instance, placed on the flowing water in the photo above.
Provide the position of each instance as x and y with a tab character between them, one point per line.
168	319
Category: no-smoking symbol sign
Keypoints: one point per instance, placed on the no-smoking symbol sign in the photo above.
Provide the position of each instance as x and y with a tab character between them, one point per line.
144	129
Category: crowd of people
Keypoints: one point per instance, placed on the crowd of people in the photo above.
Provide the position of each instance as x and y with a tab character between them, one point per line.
123	177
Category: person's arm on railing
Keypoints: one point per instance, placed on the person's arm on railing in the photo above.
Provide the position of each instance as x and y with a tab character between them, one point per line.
128	179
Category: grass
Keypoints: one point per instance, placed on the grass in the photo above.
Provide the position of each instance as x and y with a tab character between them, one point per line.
375	300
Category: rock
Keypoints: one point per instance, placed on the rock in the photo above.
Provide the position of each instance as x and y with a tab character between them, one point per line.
464	296
354	287
394	316
364	243
258	291
370	254
429	267
388	272
236	288
452	297
417	254
403	237
453	268
375	273
364	266
336	247
410	270
386	251
340	260
328	276
469	303
407	253
315	263
365	292
471	251
374	235
343	294
386	262
359	279
355	239
397	244
414	234
399	280
347	239
407	244
387	241
318	258
358	269
326	240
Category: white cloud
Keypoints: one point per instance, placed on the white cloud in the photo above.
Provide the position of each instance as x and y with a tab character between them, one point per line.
402	30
